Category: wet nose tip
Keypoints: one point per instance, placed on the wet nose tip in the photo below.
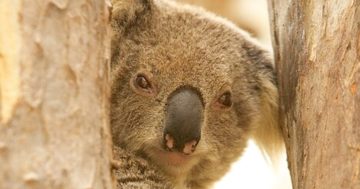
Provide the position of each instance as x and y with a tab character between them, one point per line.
186	148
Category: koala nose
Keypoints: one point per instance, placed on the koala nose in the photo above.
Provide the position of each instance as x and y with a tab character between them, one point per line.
183	120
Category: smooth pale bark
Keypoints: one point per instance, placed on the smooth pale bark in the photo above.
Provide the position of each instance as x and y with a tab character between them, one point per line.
54	127
317	54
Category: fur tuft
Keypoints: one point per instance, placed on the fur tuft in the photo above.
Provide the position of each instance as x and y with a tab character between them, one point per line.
268	135
125	13
267	132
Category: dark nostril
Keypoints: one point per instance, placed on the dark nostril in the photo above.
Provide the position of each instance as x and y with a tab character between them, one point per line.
189	147
169	142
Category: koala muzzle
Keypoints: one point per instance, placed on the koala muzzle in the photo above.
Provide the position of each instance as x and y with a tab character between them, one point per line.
183	120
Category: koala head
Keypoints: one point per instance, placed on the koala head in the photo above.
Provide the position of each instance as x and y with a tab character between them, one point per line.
188	88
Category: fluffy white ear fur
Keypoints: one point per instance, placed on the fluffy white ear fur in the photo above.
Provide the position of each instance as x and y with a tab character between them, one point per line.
267	134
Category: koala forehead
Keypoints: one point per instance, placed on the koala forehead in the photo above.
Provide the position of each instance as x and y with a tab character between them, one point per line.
186	46
172	66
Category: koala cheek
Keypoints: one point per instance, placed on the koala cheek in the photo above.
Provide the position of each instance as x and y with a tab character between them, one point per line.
224	129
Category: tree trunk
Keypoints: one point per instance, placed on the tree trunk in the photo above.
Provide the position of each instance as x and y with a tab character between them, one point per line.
54	130
317	54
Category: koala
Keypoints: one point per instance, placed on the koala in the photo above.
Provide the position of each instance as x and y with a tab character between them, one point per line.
188	90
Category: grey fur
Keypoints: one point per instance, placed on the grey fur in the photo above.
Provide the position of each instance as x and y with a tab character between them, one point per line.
177	45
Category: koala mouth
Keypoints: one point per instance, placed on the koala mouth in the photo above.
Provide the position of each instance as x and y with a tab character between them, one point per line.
170	155
173	158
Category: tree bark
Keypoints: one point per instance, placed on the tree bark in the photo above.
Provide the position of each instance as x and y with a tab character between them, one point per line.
54	127
317	55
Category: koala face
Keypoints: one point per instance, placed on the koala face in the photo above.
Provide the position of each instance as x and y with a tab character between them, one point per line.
187	87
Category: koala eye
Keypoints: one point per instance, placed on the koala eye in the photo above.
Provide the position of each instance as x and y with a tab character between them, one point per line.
142	82
225	99
142	85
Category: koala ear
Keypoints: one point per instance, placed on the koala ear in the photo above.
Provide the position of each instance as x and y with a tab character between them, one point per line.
126	13
267	133
126	16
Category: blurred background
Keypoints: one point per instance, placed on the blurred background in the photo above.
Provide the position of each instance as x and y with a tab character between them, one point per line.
250	15
251	171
